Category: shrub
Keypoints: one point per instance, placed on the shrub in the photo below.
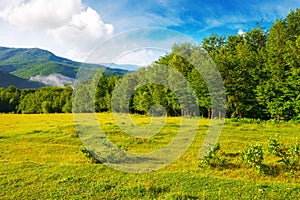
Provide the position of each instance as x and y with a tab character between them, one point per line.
295	120
274	147
288	156
211	159
253	157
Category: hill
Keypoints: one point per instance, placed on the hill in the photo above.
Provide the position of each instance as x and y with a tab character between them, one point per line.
7	79
28	62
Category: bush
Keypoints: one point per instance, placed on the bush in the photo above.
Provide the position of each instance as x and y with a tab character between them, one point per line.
212	159
295	120
253	157
288	156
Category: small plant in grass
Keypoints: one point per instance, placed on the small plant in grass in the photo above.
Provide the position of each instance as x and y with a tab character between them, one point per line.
288	156
253	157
212	159
274	147
293	156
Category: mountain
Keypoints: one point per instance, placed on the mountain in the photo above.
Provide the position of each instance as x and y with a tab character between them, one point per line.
7	79
29	62
128	67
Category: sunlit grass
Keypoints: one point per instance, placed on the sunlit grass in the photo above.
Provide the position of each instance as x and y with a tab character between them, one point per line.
40	157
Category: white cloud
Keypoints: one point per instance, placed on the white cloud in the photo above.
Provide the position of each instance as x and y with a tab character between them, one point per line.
227	21
272	10
141	57
241	32
138	46
74	26
40	13
83	30
147	20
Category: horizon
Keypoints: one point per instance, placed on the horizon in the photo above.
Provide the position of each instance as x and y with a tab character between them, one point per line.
109	65
74	28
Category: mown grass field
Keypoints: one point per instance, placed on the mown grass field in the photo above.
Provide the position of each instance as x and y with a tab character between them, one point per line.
41	158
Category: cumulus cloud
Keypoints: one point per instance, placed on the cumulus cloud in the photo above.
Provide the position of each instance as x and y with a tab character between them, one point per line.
241	32
40	13
73	25
83	29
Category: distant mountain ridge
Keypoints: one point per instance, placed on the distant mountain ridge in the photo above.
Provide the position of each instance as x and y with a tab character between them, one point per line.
12	59
128	67
29	62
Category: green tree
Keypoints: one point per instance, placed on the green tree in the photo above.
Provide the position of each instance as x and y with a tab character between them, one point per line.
280	91
9	99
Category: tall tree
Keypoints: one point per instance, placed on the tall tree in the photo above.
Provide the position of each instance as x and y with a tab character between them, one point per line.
280	92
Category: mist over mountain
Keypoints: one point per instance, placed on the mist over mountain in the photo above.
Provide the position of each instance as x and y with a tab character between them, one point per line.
53	79
7	79
45	67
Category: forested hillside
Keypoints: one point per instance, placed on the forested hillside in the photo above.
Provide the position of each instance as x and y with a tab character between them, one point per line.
28	62
260	69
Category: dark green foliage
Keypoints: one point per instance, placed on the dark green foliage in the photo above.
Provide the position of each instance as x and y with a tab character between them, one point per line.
46	100
261	70
9	99
105	86
181	59
43	100
7	79
279	90
239	59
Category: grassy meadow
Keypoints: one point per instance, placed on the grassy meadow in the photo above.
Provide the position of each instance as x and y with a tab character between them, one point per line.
41	158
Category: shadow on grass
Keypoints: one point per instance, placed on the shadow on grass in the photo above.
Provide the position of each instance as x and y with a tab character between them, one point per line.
184	197
232	155
271	170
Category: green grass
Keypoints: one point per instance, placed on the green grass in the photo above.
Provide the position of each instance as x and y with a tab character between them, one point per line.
41	158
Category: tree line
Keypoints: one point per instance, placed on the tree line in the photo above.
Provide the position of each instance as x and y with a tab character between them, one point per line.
260	71
31	101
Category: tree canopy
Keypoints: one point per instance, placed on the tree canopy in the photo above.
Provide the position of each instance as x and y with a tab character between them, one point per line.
260	71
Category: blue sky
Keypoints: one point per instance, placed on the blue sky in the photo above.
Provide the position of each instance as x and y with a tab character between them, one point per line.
196	18
72	28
